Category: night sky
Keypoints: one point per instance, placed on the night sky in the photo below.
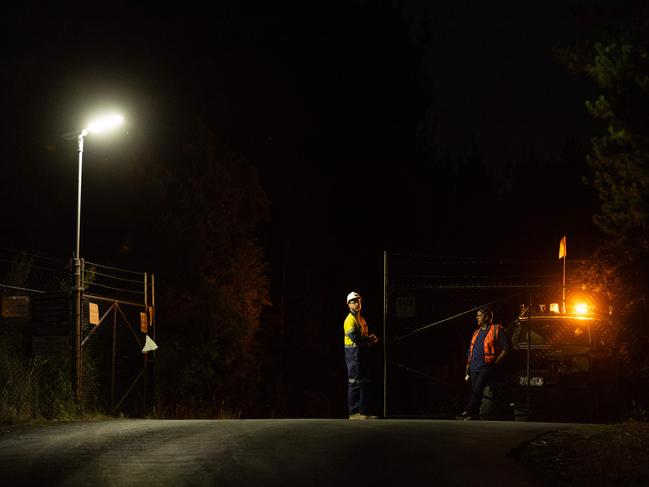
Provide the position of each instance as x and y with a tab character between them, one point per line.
361	118
320	89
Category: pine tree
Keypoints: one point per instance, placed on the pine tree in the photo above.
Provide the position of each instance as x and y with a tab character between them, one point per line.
618	64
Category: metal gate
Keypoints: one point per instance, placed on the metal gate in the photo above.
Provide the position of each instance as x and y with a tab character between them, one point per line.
118	313
429	316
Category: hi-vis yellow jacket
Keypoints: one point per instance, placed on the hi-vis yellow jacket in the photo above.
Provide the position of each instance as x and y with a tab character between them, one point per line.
356	332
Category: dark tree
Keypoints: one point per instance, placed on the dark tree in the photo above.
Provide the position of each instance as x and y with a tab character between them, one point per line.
212	276
618	64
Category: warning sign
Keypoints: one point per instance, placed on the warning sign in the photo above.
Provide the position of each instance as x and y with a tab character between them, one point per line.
93	310
144	325
15	306
406	307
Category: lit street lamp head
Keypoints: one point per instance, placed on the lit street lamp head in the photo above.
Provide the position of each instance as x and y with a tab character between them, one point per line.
102	124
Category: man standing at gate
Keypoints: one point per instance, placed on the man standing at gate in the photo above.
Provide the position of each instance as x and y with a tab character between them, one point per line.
489	346
357	346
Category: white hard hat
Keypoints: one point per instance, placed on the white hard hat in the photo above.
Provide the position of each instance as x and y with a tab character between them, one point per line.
353	295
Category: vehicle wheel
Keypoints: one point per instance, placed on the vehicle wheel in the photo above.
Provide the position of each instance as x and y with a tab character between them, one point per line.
520	415
487	404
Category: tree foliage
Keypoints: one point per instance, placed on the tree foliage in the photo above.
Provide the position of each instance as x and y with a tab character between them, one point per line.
213	279
619	67
620	157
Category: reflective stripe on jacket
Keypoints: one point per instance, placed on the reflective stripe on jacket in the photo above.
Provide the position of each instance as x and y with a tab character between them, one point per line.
491	343
356	332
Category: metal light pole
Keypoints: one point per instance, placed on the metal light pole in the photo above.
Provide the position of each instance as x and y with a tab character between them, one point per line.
76	370
94	127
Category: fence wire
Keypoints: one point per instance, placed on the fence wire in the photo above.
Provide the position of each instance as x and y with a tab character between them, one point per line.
430	306
36	337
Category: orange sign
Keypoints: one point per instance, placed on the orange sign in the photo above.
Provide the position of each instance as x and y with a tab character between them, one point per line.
93	315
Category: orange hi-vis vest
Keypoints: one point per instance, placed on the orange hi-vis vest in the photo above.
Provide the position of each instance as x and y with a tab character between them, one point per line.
490	344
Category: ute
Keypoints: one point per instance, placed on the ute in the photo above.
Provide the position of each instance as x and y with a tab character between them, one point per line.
560	368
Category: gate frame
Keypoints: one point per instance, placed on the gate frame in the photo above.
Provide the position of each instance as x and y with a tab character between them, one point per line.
80	341
529	287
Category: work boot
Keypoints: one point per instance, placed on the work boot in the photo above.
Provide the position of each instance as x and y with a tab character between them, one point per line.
358	416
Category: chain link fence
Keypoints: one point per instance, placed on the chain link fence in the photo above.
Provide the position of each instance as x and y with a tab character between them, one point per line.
37	333
34	362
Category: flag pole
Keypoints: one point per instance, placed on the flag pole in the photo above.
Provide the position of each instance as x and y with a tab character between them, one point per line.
563	252
563	293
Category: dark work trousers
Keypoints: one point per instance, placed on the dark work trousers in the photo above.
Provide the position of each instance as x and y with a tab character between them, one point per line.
358	389
479	380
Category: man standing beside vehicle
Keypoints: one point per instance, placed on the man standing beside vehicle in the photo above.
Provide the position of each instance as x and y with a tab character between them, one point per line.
488	347
357	347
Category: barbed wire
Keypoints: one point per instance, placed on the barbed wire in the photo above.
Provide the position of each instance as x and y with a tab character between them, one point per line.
18	288
89	284
114	277
473	260
114	268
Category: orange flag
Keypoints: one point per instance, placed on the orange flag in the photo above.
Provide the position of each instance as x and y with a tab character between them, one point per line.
563	252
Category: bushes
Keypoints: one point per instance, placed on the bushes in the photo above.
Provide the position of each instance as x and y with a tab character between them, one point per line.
32	387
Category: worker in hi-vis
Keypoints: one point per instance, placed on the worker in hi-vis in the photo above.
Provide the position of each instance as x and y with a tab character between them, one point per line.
357	346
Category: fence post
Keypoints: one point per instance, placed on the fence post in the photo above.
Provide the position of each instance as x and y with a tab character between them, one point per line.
385	319
112	371
76	345
146	313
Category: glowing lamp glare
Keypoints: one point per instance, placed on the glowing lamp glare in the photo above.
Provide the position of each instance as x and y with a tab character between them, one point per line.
581	308
104	123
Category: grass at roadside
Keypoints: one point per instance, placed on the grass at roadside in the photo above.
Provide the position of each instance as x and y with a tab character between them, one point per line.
591	455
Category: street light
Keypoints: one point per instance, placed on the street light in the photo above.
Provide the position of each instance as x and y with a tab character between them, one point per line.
97	126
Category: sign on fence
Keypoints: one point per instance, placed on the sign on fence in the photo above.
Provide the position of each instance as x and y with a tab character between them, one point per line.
144	325
93	309
15	306
406	307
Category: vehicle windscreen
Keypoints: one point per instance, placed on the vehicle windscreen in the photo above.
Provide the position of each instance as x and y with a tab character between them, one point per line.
552	333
